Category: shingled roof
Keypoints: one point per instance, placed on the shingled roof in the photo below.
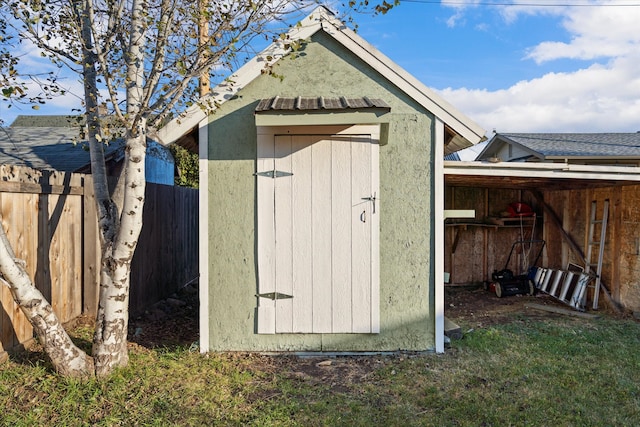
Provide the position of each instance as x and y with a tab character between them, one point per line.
46	148
554	146
58	121
580	144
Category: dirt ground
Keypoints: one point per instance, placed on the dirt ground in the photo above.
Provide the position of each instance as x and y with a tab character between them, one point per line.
475	307
168	323
174	322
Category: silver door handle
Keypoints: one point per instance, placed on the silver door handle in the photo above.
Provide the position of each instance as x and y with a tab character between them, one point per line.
373	200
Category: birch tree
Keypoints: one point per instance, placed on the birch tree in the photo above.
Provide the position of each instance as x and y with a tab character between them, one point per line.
139	59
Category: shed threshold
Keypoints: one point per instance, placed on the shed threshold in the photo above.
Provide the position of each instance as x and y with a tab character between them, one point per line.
336	354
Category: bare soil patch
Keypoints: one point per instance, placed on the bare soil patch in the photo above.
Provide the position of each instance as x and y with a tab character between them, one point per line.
475	307
172	322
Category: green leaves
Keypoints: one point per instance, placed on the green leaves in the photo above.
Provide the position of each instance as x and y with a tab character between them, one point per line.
385	6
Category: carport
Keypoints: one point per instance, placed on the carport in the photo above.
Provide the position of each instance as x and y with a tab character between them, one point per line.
561	195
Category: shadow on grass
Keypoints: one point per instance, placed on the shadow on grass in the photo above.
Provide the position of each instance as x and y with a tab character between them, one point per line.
170	324
33	353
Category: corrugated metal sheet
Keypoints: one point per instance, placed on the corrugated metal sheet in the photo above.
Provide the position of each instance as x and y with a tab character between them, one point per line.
303	103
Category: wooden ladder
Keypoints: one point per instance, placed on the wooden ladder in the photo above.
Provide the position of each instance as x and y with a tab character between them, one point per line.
600	243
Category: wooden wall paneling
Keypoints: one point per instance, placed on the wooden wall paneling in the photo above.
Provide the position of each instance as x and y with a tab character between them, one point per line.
186	225
321	231
501	240
142	285
577	220
556	247
467	261
499	201
485	238
629	284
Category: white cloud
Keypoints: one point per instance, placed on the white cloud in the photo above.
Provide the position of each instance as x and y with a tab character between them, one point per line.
596	32
61	104
512	12
460	9
600	98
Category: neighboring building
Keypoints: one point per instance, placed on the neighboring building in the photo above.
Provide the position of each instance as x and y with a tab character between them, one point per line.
56	143
452	157
321	200
575	148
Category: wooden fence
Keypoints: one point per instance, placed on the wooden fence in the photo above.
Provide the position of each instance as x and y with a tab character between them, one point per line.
50	220
167	255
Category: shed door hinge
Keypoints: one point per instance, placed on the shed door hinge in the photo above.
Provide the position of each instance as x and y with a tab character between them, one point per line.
275	295
273	174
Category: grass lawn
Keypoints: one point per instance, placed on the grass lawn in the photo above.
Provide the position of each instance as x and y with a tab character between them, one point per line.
539	372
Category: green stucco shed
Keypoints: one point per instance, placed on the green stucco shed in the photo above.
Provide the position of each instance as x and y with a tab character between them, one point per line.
321	200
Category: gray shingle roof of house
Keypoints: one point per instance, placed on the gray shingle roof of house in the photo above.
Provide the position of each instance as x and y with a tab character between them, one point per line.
302	103
45	148
58	121
579	144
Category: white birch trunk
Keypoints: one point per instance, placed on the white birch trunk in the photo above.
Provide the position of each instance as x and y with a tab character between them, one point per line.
67	359
110	340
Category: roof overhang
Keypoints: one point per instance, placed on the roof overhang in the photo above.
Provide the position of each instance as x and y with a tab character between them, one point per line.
537	176
453	141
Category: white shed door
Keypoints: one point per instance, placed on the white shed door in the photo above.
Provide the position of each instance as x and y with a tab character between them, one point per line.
318	234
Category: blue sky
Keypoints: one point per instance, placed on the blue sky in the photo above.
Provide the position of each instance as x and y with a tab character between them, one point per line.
520	66
530	66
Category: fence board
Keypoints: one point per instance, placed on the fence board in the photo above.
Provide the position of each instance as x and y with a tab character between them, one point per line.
50	220
91	250
167	254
